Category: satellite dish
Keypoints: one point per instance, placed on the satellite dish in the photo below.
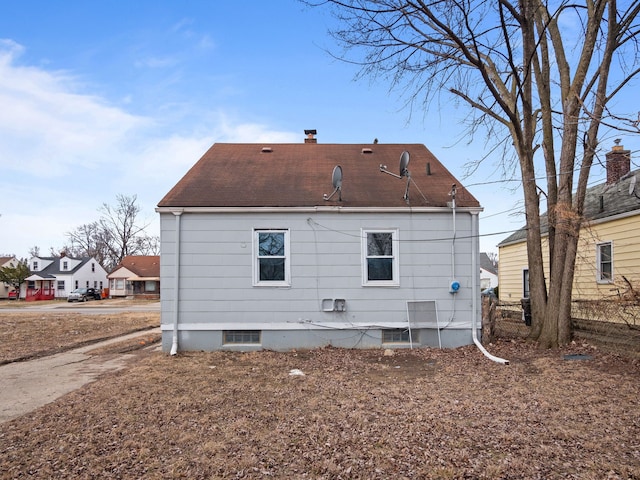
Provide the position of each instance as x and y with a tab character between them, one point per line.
632	185
404	172
336	181
404	163
336	177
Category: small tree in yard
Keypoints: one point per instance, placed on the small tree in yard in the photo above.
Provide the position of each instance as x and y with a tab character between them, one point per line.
15	276
539	76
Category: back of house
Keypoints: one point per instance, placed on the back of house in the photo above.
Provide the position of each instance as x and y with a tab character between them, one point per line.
290	246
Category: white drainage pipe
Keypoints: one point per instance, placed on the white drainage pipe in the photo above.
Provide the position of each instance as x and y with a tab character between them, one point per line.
476	294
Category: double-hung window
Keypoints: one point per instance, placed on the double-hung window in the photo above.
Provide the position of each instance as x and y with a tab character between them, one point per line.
604	262
380	257
271	258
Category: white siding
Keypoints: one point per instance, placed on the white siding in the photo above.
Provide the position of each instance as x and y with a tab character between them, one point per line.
326	262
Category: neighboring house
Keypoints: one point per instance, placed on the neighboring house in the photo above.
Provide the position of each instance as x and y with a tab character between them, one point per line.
56	277
488	272
609	246
260	250
4	287
136	276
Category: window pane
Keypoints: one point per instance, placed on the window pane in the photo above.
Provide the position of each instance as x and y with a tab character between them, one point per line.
271	269
271	244
606	263
606	271
379	244
397	335
380	269
242	336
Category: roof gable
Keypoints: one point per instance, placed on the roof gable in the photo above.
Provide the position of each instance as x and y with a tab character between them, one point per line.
298	175
54	268
7	261
486	264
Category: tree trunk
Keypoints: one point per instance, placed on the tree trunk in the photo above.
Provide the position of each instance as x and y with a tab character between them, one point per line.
488	319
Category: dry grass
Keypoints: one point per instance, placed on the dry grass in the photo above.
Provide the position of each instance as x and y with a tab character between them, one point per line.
25	335
437	414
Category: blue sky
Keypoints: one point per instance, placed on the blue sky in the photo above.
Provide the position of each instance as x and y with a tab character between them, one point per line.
104	98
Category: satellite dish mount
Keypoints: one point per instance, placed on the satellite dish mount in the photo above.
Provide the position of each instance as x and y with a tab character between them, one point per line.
632	187
404	172
336	181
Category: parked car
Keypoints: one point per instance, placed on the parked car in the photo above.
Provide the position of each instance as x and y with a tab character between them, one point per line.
84	294
13	295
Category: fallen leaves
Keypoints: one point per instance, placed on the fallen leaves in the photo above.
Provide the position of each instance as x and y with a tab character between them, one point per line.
447	414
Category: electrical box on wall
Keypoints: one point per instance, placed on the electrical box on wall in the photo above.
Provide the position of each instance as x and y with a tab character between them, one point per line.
331	305
340	305
454	286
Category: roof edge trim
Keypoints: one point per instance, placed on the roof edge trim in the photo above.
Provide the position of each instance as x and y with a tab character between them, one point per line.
328	208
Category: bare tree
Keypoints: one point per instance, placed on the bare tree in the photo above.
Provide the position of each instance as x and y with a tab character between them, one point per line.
115	235
88	240
540	76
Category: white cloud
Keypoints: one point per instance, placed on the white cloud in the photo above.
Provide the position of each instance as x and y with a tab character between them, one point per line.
156	62
65	152
162	161
228	130
47	126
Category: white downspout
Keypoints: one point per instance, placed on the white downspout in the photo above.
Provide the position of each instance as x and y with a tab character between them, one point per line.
176	294
474	289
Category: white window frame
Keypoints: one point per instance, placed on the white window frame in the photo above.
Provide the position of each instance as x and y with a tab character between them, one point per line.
395	256
256	259
599	272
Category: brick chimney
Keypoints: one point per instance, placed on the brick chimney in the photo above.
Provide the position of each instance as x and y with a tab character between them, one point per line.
618	163
311	136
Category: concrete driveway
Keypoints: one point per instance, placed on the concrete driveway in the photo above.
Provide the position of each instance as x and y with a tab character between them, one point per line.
25	386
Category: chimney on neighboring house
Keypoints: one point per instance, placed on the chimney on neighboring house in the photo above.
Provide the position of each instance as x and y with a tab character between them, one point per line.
618	163
311	136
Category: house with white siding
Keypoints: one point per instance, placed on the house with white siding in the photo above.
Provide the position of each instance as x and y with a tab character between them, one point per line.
55	277
488	272
290	246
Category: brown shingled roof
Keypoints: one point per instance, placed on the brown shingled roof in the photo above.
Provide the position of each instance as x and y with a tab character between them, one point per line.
297	175
141	265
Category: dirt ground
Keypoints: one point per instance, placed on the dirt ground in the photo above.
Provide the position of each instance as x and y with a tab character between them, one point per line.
29	334
332	413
